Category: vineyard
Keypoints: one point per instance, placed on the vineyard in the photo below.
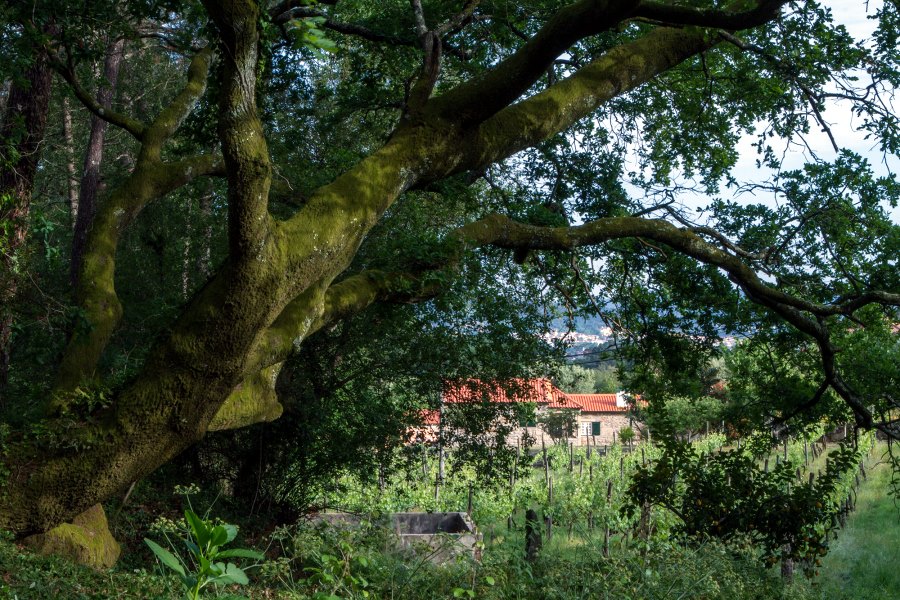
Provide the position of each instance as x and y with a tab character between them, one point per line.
719	517
613	495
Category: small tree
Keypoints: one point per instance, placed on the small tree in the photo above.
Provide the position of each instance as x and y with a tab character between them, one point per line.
684	416
559	423
626	435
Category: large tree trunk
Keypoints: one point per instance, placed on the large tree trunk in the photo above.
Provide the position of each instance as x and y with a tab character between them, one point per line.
93	157
21	140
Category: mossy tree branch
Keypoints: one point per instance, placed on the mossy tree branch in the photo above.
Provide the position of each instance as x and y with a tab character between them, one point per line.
474	101
240	129
341	300
621	69
151	178
254	399
679	14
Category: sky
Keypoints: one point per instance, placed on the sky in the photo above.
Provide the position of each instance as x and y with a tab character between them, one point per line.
853	14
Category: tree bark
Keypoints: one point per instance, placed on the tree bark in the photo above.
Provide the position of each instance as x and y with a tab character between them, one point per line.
93	158
72	178
21	141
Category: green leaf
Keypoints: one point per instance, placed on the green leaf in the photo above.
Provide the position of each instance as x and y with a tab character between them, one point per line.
218	536
198	527
232	531
241	553
236	574
490	580
204	564
166	557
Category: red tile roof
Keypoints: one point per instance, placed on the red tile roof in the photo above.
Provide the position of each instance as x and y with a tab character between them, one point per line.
539	391
430	416
597	402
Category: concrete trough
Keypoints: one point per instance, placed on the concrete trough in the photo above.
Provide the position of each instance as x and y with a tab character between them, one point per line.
440	536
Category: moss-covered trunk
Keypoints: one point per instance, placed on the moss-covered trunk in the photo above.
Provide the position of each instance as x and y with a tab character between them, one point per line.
93	158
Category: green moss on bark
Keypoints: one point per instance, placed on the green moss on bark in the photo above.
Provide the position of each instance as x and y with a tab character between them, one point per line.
253	401
86	540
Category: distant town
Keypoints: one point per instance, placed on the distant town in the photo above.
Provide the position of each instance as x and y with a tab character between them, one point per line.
603	337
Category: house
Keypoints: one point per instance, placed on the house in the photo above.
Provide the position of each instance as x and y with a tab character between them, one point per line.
427	432
599	418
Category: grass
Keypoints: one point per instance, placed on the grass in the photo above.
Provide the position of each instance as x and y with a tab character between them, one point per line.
862	563
27	576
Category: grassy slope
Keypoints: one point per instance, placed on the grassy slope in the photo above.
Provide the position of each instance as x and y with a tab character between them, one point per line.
863	562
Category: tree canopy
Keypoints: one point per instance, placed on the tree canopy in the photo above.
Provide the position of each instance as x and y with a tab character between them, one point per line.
396	193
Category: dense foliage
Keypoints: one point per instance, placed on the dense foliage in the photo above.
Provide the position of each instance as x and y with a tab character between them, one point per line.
298	221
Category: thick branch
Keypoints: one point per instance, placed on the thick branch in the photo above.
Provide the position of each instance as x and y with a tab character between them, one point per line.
681	15
478	99
475	100
503	232
95	292
133	126
309	313
151	179
253	401
240	130
170	118
93	157
620	70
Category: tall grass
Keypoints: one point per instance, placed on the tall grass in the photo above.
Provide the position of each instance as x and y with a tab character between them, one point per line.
864	562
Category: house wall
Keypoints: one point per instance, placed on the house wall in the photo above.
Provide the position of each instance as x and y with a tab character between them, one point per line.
609	423
515	437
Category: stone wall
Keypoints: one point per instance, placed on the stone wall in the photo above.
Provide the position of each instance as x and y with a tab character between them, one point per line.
609	423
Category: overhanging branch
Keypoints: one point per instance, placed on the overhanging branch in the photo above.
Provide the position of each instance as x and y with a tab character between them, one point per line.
808	317
310	312
477	99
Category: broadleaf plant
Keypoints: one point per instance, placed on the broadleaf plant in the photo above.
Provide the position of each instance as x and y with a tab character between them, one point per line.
203	563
